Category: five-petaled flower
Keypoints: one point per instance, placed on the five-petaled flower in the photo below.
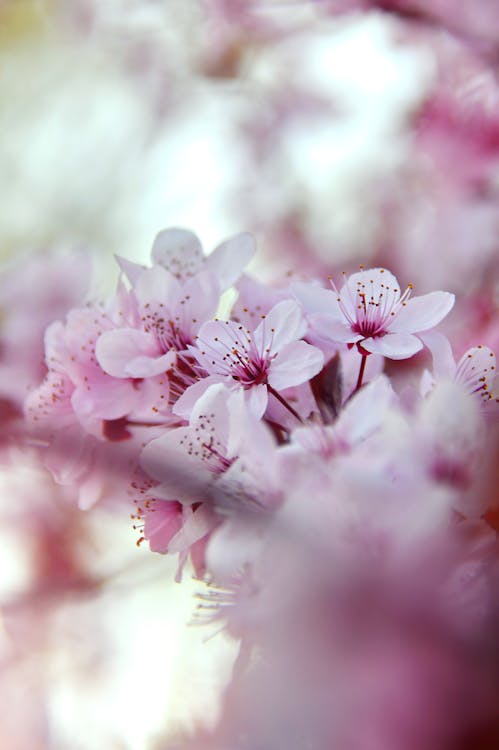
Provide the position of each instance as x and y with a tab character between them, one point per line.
370	311
270	358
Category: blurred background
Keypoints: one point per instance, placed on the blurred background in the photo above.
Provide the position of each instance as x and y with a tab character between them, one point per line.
321	133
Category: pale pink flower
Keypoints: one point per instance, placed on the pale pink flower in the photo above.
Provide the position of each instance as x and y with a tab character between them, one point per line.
370	311
186	464
169	303
475	372
268	359
361	417
186	460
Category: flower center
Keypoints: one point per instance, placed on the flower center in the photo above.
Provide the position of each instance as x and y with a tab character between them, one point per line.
371	305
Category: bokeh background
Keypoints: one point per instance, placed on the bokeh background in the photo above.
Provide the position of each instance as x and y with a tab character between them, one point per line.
119	118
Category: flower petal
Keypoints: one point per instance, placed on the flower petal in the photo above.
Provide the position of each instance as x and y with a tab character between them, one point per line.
185	404
106	399
116	349
444	365
216	339
161	522
196	525
148	367
131	270
315	299
282	324
393	345
257	399
228	260
295	364
182	473
157	285
327	328
179	251
422	313
197	302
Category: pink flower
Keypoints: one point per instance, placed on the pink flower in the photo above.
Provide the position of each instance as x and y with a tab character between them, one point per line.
361	417
168	304
475	372
187	460
270	358
369	310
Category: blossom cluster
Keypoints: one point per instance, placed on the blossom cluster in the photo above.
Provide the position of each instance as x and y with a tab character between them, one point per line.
325	492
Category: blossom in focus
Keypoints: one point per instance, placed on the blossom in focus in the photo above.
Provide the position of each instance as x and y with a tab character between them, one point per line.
370	311
268	359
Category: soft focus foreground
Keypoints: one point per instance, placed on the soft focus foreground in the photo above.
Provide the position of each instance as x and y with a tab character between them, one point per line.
300	420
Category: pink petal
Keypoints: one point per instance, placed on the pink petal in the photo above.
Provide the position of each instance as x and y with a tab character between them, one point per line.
282	324
185	404
197	524
215	339
196	302
183	475
157	285
131	270
376	281
213	402
148	367
393	345
179	251
162	520
364	413
476	370
444	365
116	349
315	299
109	399
257	399
228	260
329	329
422	313
295	364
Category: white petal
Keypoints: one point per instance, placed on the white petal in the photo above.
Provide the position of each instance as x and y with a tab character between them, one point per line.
393	345
329	329
196	526
179	251
157	285
364	413
216	339
185	404
210	416
315	299
295	364
444	365
131	270
376	280
282	324
422	313
257	399
228	260
197	301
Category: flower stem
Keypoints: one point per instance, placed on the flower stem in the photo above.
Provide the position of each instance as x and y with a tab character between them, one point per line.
283	401
361	372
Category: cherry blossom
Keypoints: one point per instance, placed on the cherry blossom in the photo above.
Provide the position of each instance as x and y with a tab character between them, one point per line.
267	360
167	305
370	311
475	372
